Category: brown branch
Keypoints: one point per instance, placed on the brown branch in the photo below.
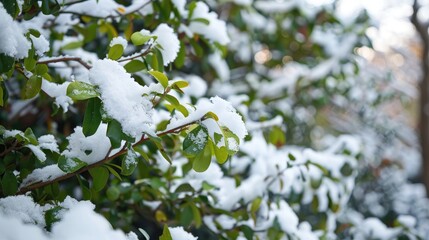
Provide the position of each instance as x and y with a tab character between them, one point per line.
101	162
66	59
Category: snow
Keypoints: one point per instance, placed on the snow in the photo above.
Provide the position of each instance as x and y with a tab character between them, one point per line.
13	41
12	228
22	208
21	218
197	86
373	228
178	233
119	40
59	92
122	97
40	44
220	66
407	221
228	117
215	31
89	149
42	175
74	226
180	5
169	42
48	142
37	152
95	8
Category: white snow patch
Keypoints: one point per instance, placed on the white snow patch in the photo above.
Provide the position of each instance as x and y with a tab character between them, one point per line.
122	97
12	39
178	233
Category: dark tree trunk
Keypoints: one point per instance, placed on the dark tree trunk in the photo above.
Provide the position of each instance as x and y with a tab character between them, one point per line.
422	30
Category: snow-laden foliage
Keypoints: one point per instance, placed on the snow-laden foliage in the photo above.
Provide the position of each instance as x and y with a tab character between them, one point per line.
198	120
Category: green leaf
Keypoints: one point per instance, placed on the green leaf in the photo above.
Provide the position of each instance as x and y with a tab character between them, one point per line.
129	163
186	215
256	203
181	56
114	132
81	91
34	32
134	66
52	216
9	183
221	154
196	215
176	104
181	83
69	165
185	187
72	45
92	117
100	176
139	39
165	234
41	69
113	172
32	87
30	62
45	7
160	77
30	136
202	161
115	52
201	20
196	141
291	157
346	170
6	63
232	140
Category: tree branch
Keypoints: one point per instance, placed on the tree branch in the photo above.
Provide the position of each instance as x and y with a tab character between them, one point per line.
66	59
101	162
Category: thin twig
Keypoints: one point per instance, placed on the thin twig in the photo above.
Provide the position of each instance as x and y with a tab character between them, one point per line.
146	51
66	59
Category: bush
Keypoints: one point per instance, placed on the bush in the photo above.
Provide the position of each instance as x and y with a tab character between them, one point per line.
131	114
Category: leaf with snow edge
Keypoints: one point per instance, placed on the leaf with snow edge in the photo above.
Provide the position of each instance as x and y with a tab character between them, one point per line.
221	153
196	141
69	165
134	66
129	162
144	233
81	91
165	234
92	117
167	42
232	140
202	161
114	133
32	87
52	216
139	39
9	183
160	77
100	176
115	52
185	187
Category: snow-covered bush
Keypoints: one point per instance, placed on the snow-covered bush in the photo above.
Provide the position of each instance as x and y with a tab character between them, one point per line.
191	119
